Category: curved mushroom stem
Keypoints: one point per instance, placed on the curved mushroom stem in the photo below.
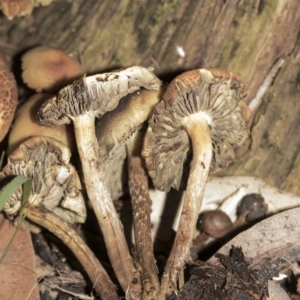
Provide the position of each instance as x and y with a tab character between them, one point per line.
141	206
102	283
199	132
108	219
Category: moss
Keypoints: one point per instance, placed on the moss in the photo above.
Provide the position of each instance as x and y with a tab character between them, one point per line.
241	45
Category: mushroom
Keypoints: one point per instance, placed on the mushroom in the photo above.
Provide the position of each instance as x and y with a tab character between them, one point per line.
56	184
25	117
55	187
8	97
81	102
203	107
215	224
49	69
123	126
253	206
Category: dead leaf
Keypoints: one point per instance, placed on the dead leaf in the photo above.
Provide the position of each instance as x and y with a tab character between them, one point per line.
270	245
17	272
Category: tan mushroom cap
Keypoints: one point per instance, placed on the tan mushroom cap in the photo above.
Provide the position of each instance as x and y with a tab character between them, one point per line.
49	69
55	182
8	99
115	127
213	93
96	94
26	125
113	130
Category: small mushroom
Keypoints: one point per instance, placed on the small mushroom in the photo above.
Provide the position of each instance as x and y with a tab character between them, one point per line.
25	117
201	107
120	127
81	102
55	188
215	224
49	69
8	98
56	184
254	206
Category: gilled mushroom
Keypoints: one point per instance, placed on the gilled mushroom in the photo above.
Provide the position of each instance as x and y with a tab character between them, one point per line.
123	126
81	102
25	117
55	188
8	97
49	69
56	184
201	107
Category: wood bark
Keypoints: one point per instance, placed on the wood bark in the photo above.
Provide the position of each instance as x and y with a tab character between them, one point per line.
247	37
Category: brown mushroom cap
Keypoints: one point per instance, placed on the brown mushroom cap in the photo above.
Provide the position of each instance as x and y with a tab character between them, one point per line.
26	118
8	99
81	102
213	93
115	127
48	69
55	182
216	223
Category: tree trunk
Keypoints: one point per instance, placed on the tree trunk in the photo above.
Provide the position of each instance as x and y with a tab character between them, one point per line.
248	37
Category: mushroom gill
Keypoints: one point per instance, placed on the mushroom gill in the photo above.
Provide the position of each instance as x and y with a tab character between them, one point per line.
199	118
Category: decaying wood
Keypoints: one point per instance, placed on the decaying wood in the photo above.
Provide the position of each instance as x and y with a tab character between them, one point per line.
247	37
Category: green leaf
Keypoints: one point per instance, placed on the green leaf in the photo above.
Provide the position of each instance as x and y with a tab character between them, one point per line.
12	187
4	197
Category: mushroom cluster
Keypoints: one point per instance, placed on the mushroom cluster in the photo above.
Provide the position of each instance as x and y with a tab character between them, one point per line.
129	129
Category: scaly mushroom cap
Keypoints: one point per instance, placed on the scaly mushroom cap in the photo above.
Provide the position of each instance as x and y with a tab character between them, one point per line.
49	69
97	94
55	183
26	118
8	99
213	93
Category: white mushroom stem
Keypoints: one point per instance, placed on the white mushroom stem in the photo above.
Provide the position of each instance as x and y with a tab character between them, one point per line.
141	206
108	219
199	132
101	281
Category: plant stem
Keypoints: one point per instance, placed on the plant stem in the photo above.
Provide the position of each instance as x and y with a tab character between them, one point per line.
111	226
199	133
102	283
141	206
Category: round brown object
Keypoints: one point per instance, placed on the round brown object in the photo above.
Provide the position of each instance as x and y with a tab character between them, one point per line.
216	223
26	125
8	98
48	69
254	206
